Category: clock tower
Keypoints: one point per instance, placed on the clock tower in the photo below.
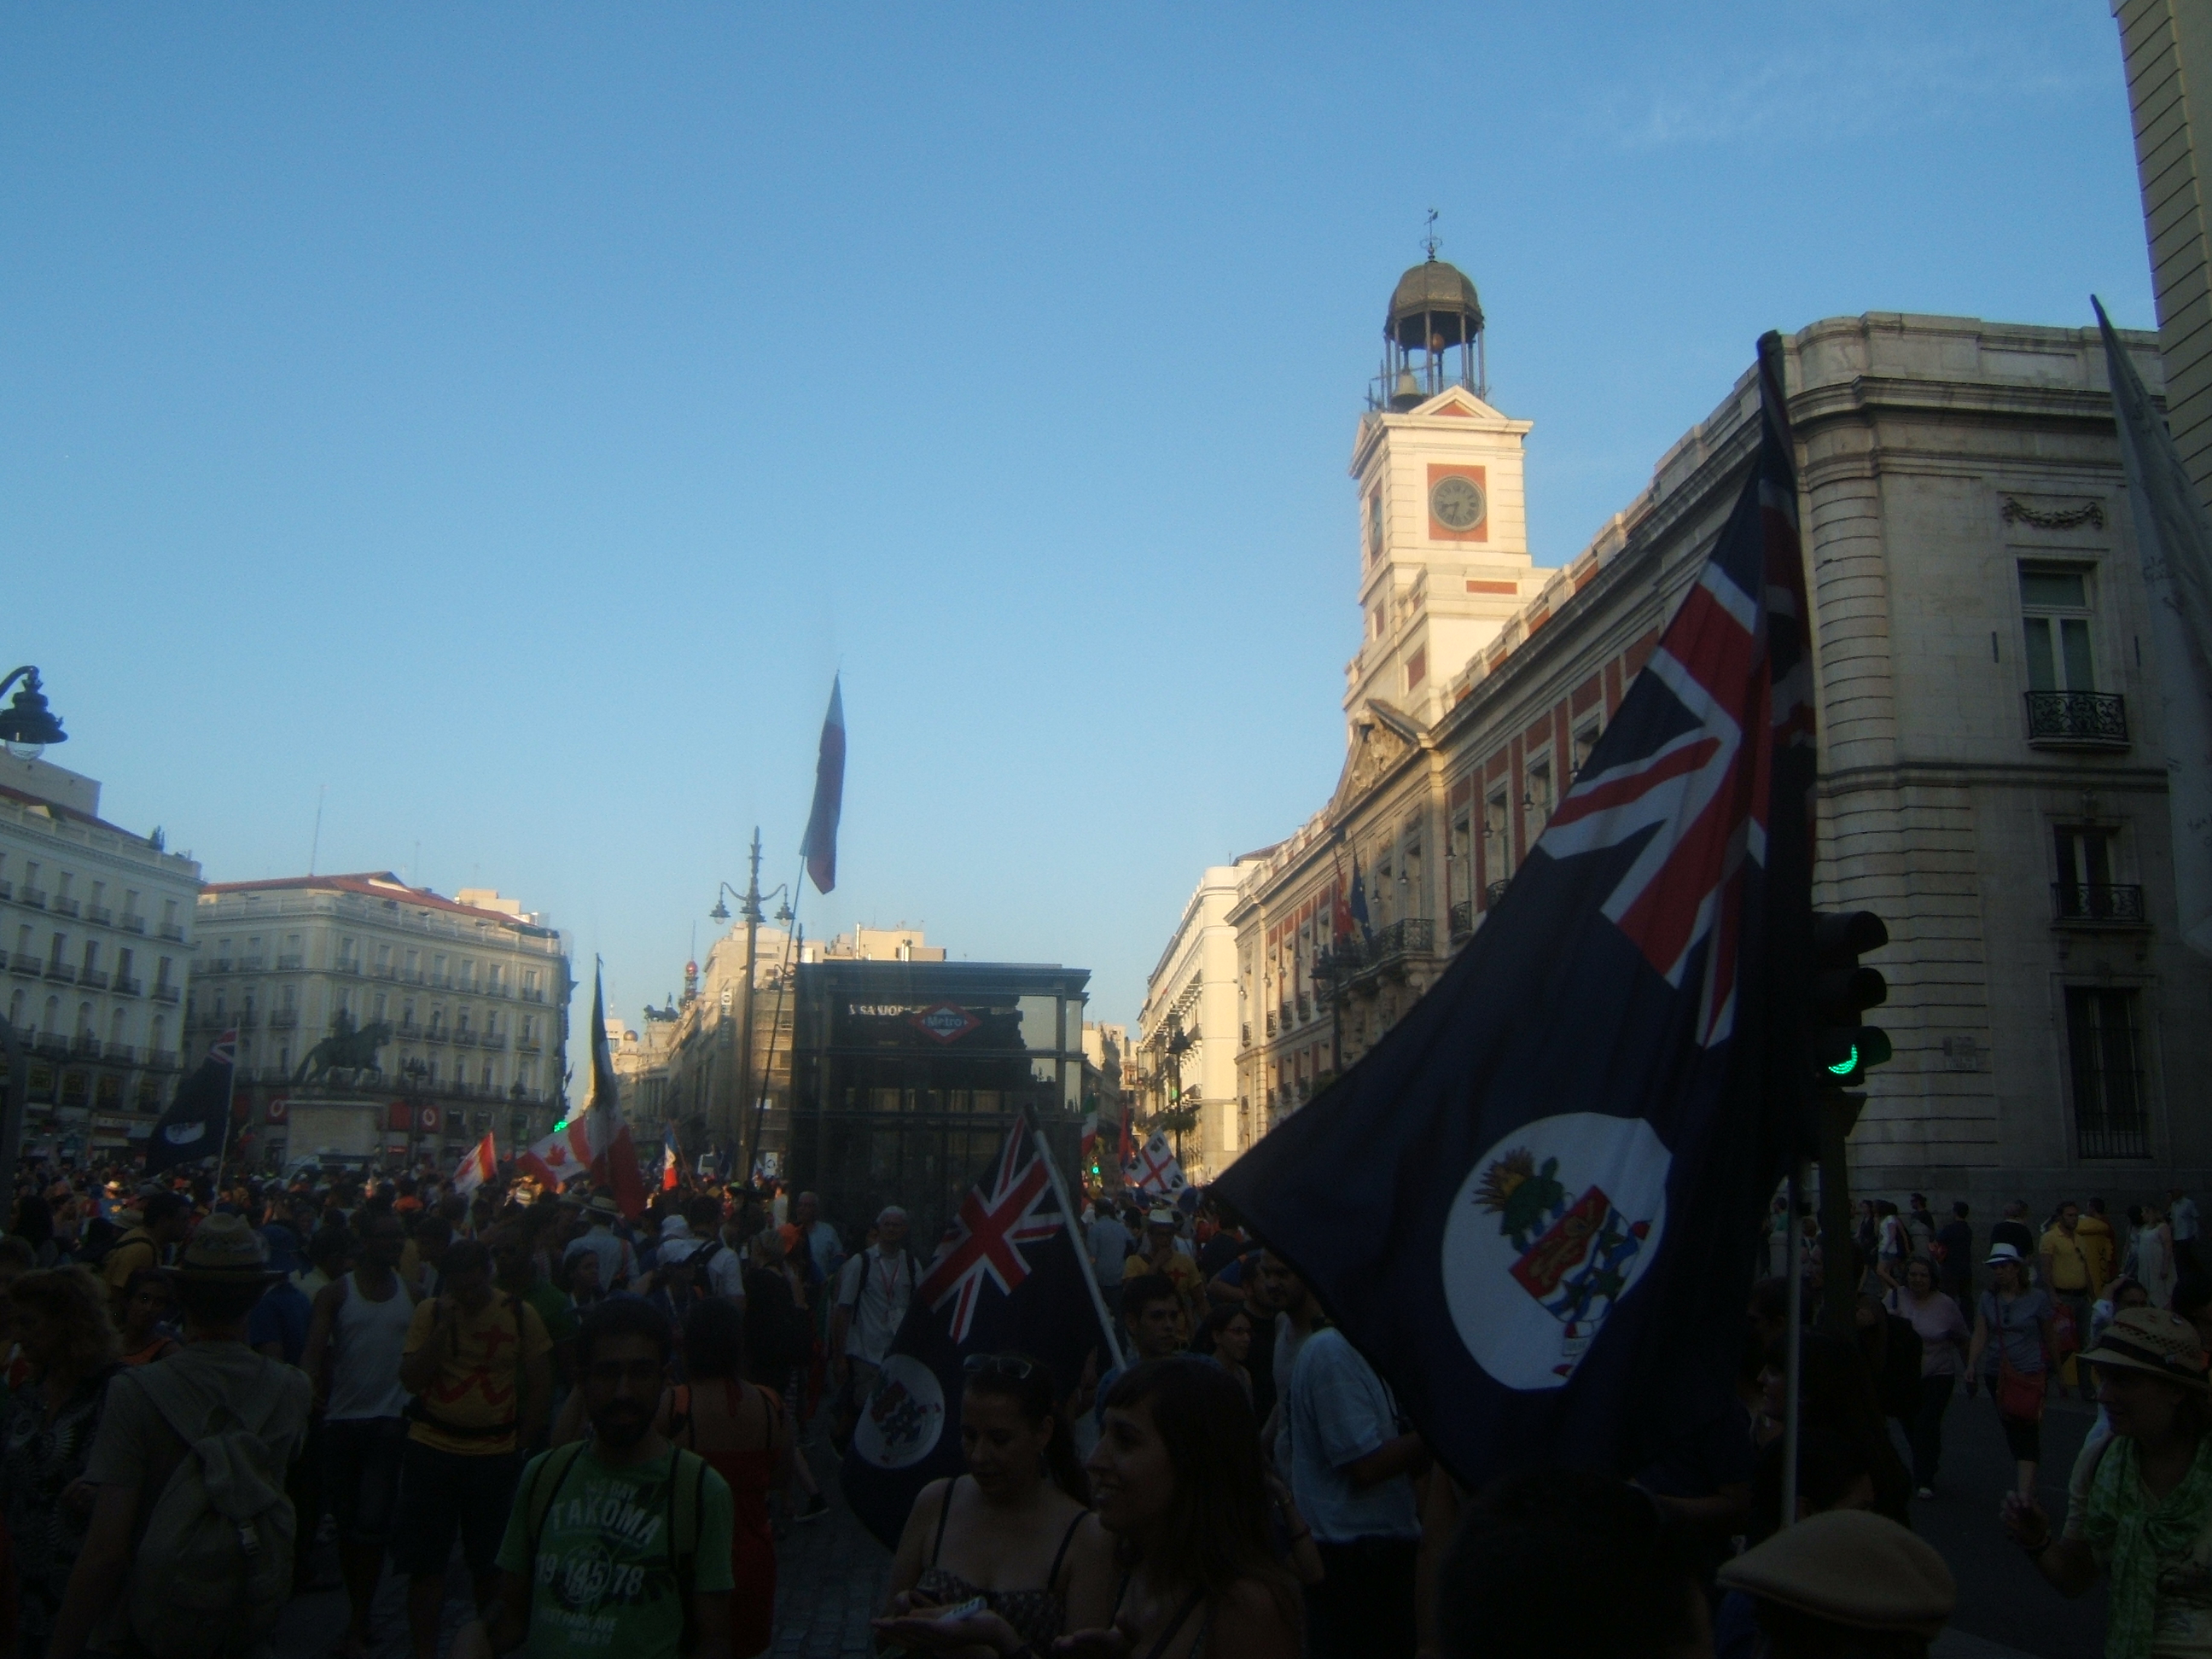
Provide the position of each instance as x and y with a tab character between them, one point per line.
1443	519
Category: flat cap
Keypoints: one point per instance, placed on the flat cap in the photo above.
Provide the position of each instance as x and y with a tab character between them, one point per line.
1849	1567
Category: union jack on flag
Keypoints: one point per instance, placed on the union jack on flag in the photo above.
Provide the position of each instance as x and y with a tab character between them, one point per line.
995	1219
1728	684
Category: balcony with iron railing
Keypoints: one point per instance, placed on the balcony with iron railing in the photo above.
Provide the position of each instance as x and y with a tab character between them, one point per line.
26	967
131	923
246	1019
384	970
123	1054
463	1037
68	907
34	897
492	1040
409	1029
291	962
1494	892
99	915
52	1044
1270	1025
2077	720
534	996
434	1034
161	1059
93	979
1244	1035
253	964
61	971
283	1018
125	986
2097	904
529	1045
1461	920
6	889
165	992
173	930
84	1046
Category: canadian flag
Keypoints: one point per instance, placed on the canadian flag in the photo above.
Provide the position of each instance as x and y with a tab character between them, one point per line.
563	1156
478	1167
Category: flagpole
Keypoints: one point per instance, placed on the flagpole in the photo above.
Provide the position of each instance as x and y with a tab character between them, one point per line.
792	948
1074	1236
1794	1345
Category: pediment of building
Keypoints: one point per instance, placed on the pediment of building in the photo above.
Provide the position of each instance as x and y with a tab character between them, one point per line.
1382	738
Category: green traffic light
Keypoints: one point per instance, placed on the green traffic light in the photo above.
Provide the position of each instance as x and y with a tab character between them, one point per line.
562	1125
1846	1067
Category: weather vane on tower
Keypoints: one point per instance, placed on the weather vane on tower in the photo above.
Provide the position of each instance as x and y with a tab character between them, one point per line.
1431	242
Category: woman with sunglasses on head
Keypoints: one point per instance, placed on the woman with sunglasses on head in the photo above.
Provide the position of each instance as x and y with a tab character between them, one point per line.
1012	1533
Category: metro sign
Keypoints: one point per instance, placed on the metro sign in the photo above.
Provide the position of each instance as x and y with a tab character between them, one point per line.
947	1022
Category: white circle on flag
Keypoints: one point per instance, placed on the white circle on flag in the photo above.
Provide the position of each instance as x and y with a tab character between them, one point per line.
903	1415
1551	1229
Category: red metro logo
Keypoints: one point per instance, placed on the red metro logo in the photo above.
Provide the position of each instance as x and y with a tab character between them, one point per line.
948	1022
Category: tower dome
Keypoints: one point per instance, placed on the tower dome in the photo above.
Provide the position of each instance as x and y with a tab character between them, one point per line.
1433	299
1434	311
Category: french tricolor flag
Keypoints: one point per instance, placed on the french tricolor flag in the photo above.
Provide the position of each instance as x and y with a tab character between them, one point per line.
670	1158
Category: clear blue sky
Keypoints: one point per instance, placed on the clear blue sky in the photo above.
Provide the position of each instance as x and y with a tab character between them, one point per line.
509	417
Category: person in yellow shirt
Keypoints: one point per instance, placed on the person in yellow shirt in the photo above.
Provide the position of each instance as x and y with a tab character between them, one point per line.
2066	1275
477	1362
2098	1243
164	1219
1161	1256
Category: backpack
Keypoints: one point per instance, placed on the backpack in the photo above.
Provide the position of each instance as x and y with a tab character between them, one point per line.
550	1473
214	1567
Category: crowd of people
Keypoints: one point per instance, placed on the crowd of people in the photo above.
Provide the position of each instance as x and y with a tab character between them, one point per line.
210	1395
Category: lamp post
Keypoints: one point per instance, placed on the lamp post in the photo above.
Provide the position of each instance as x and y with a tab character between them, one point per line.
27	726
414	1071
749	908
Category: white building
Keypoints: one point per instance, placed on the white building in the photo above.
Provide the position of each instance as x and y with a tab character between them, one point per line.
472	993
1187	1040
95	934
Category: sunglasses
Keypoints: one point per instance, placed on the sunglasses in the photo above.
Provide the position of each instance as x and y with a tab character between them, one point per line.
998	1364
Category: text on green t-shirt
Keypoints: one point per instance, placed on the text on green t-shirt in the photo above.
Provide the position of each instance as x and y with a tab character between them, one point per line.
605	1577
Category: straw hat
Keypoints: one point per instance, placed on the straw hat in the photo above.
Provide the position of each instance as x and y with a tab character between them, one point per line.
224	1250
1849	1567
2155	1340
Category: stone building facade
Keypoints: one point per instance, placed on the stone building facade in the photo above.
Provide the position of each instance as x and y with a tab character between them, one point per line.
475	991
1989	753
1187	1036
96	939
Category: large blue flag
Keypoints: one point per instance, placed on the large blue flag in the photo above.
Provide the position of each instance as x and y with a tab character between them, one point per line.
1534	1205
1009	1277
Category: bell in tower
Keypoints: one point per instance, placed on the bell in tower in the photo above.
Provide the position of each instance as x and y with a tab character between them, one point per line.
1433	313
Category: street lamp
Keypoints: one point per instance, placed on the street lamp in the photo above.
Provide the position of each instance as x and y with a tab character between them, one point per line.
748	910
27	726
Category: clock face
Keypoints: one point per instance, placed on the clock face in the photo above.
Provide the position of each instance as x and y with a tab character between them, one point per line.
1456	502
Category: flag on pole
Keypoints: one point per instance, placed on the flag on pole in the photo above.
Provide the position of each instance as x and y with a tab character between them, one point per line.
563	1156
479	1165
1087	1153
1125	1151
2173	542
1533	1205
1009	1276
1355	909
819	845
1154	1169
610	1155
670	1158
198	1123
1340	911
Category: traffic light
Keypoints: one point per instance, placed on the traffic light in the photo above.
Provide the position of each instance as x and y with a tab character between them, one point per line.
1844	1046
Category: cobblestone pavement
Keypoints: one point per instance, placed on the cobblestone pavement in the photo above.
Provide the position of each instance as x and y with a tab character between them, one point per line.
830	1579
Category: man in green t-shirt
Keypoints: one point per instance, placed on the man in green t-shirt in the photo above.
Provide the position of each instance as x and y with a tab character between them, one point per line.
619	1546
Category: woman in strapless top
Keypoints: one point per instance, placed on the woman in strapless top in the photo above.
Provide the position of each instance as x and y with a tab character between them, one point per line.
1015	1531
